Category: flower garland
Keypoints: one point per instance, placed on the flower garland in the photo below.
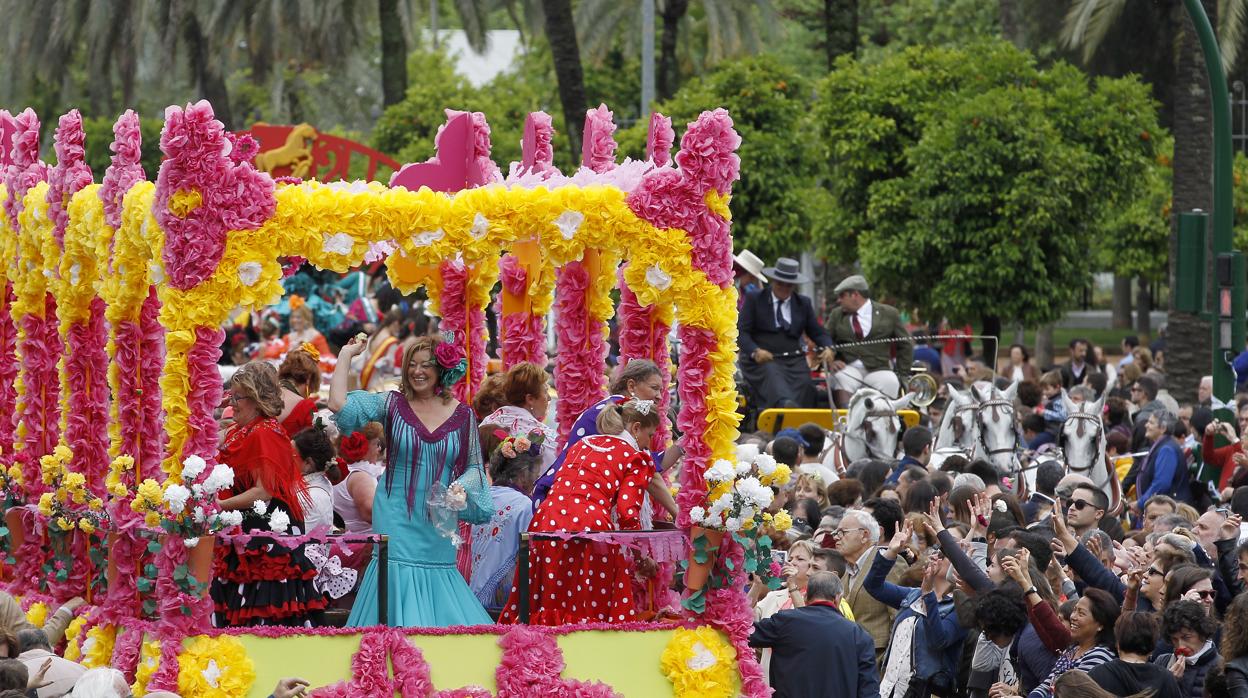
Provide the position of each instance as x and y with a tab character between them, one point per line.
531	666
659	139
215	667
97	648
86	366
643	334
149	662
9	362
700	664
34	309
582	346
26	170
523	335
71	173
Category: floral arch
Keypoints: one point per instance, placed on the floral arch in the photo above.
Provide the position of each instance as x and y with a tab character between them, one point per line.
115	295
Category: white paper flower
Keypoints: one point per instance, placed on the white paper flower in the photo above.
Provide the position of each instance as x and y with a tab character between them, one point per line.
75	272
221	477
697	515
198	515
197	490
230	519
279	521
721	471
568	222
338	243
192	466
480	226
747	452
249	273
428	237
658	278
766	464
191	542
744	468
732	524
175	497
157	273
260	507
702	658
211	673
755	491
999	505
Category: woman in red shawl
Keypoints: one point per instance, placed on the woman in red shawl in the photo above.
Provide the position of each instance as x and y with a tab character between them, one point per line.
599	488
254	584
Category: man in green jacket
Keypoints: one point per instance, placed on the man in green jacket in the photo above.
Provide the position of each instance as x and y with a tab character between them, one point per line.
857	319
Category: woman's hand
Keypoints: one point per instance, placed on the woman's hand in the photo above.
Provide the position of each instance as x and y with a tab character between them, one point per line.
981	510
1176	666
38	679
1016	568
353	348
930	573
899	541
933	518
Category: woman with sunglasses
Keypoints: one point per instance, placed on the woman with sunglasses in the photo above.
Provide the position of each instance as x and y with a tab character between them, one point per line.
1193	583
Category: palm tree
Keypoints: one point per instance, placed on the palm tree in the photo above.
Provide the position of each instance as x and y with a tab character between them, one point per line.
566	54
1089	25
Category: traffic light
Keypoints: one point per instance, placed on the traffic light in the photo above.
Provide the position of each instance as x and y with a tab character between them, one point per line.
1228	270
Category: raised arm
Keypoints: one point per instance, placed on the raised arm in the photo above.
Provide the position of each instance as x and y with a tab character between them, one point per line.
340	383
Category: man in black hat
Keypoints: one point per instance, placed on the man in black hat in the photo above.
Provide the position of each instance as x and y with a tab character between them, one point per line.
888	352
770	328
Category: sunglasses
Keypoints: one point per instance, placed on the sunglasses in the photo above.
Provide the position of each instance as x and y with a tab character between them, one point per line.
1081	504
1154	572
1205	593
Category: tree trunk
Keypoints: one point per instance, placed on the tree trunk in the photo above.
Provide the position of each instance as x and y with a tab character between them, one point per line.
840	29
207	78
1044	347
1122	302
1144	310
1011	16
668	78
991	327
393	53
1187	336
564	51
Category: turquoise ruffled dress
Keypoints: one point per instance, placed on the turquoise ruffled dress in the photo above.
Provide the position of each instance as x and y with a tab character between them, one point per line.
425	587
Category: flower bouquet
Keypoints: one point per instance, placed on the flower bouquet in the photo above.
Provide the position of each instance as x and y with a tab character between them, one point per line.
68	507
737	506
190	513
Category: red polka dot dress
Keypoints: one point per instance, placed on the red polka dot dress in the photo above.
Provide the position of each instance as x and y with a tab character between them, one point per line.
599	488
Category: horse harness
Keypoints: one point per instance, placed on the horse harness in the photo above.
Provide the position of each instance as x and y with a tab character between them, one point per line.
1081	418
996	405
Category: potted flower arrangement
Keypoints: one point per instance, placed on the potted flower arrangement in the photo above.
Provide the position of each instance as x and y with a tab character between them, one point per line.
68	506
190	513
737	506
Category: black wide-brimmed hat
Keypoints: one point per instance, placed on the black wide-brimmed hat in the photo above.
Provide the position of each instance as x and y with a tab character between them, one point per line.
786	270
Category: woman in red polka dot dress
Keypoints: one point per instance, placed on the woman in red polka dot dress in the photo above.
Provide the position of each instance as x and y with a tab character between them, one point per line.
599	488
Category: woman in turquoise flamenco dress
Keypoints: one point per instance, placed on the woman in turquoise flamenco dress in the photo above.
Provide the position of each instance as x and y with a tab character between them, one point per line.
433	440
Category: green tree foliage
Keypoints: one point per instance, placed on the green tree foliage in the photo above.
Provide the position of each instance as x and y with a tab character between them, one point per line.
770	205
974	185
99	133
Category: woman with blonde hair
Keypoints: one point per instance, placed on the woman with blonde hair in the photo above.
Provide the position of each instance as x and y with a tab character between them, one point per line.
604	478
434	475
526	400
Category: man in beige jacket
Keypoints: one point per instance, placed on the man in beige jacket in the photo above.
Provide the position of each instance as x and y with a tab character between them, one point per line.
857	538
13	618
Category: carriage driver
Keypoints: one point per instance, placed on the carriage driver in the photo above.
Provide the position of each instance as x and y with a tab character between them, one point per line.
770	329
872	365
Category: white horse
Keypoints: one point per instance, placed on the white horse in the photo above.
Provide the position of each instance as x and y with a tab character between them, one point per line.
959	430
1082	439
998	430
871	430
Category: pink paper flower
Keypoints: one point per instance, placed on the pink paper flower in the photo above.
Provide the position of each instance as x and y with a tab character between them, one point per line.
659	140
231	195
125	170
71	173
26	170
448	354
598	149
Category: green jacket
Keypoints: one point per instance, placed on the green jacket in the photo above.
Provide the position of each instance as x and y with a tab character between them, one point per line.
885	324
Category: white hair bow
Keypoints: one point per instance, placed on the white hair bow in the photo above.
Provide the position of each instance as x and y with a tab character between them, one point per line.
643	407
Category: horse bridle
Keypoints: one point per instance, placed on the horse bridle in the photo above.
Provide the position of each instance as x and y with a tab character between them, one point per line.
956	423
983	426
891	415
1081	417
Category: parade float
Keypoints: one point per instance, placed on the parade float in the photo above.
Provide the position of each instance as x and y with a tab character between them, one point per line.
115	294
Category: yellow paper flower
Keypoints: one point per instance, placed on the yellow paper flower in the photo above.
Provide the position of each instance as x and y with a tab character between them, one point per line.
149	662
782	521
215	667
96	504
45	503
700	664
97	649
37	614
86	526
73	649
15	474
64	524
152	519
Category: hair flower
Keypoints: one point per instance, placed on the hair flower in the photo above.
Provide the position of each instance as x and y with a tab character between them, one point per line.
447	354
999	505
354	447
311	349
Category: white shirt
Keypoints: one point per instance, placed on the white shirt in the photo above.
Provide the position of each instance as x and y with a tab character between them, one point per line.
864	317
318	504
899	668
785	308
